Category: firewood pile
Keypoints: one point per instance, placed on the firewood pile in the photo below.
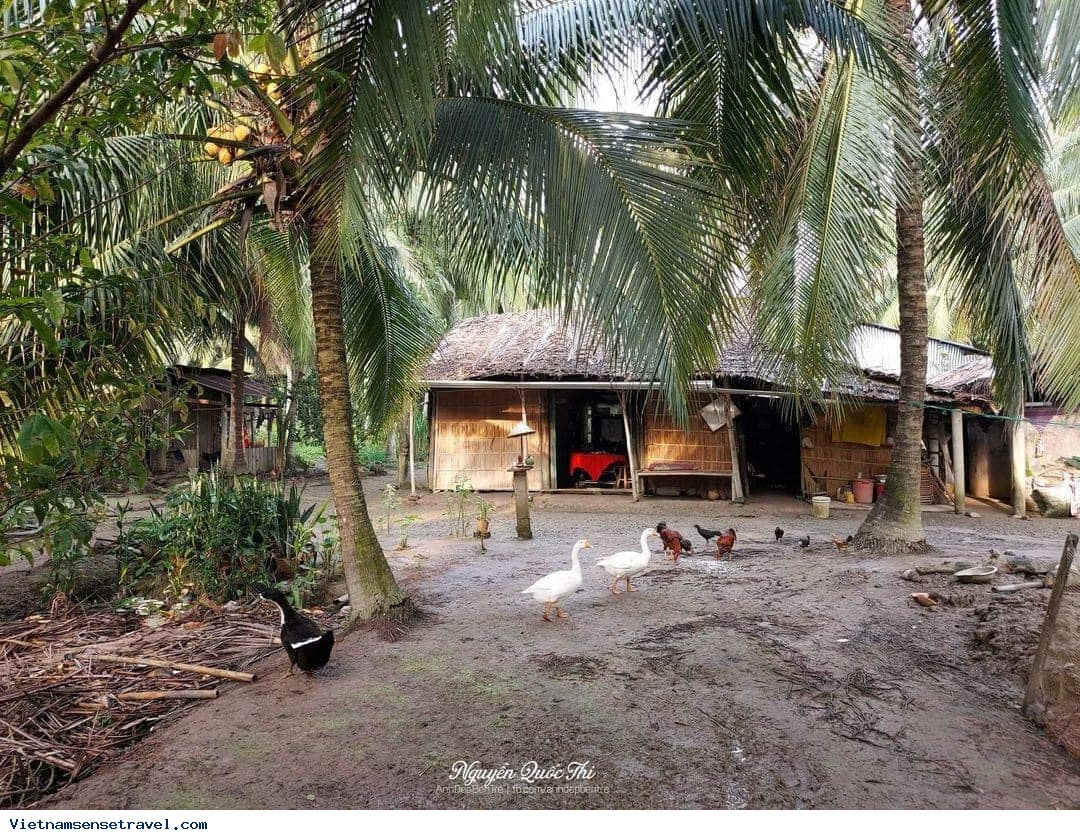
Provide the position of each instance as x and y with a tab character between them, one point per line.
71	697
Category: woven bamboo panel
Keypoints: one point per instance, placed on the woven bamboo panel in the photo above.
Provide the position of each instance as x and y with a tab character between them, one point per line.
664	440
470	434
835	464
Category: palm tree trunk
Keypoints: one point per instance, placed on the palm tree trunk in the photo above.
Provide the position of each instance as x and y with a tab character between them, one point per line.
373	591
287	426
894	524
236	462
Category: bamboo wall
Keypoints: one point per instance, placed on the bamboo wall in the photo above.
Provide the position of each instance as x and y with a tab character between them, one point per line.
834	463
468	435
665	440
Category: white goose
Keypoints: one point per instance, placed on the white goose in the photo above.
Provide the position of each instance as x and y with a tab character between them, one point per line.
551	589
625	564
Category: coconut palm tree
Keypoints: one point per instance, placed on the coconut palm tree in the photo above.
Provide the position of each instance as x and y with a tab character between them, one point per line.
593	209
823	141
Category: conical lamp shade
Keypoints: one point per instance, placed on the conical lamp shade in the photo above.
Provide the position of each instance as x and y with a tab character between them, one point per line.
521	428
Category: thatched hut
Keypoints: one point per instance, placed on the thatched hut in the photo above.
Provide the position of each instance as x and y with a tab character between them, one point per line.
596	426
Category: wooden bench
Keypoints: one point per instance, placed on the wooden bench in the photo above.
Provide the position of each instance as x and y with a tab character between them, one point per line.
681	477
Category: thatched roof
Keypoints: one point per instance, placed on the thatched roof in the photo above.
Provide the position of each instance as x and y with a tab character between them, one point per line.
975	377
529	344
535	346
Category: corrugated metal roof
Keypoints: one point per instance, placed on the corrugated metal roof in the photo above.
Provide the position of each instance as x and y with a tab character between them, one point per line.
216	379
877	348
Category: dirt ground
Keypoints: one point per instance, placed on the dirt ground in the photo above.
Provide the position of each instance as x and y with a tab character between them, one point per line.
783	678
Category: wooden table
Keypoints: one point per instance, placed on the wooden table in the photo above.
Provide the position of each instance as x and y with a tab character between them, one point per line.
594	464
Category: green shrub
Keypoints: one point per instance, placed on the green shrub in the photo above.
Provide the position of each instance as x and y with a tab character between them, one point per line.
219	537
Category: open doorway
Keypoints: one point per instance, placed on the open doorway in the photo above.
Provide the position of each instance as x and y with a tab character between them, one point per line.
771	445
590	439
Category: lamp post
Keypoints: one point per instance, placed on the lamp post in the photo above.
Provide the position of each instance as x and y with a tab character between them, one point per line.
520	469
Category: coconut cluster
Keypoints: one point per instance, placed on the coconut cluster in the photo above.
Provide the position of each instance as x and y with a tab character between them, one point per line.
227	153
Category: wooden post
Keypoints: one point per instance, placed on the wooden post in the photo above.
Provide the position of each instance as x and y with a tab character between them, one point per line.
959	490
1034	693
412	451
737	492
224	433
1019	466
433	438
521	504
631	455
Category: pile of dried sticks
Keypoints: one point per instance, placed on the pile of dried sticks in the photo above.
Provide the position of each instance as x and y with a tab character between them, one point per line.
77	687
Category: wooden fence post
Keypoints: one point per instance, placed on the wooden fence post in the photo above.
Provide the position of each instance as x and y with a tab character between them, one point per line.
1034	693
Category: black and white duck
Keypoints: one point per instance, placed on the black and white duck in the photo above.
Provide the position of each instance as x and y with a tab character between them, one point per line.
306	644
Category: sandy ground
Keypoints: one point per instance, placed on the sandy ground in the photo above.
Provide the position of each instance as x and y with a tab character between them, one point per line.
784	678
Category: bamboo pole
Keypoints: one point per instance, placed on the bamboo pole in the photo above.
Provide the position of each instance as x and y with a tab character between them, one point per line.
239	676
737	493
178	694
631	454
1034	693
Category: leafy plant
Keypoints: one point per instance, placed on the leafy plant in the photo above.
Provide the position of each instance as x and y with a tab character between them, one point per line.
457	505
78	420
390	503
404	524
221	537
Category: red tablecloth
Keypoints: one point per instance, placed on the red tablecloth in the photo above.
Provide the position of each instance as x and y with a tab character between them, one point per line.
594	463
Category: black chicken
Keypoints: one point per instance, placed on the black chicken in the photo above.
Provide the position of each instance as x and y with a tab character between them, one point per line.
706	534
779	533
308	646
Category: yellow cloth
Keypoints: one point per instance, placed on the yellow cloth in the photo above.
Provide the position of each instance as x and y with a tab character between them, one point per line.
865	425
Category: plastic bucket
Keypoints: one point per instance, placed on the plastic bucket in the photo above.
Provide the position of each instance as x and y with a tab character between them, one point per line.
864	490
820	507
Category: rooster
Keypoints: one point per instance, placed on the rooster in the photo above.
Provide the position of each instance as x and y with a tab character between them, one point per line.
842	544
673	541
725	543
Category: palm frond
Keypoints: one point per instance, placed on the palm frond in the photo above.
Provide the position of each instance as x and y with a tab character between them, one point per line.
599	210
389	331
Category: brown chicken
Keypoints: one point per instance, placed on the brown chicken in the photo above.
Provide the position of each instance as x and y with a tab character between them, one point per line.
673	541
725	543
842	544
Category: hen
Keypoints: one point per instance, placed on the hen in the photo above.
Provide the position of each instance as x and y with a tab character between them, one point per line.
673	541
725	543
778	533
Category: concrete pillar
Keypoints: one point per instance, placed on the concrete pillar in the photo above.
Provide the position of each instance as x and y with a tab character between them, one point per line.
1019	467
979	469
521	504
959	499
